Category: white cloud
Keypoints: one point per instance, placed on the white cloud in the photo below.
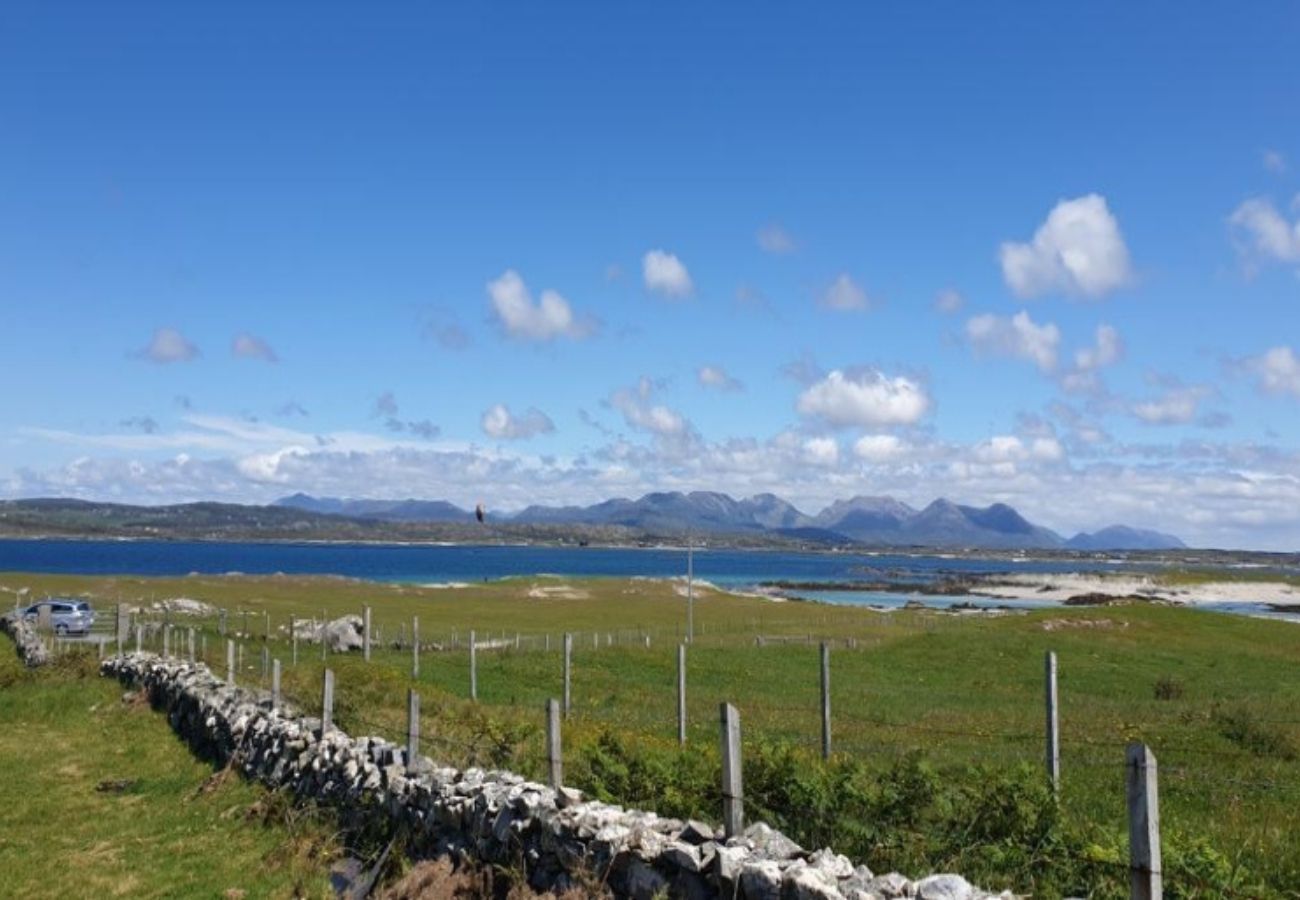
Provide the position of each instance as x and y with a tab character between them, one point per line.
665	274
717	378
250	346
641	412
845	295
868	399
879	448
1264	234
168	346
1178	405
521	318
821	451
1018	336
498	422
1106	352
949	301
775	239
1274	162
1278	371
1077	250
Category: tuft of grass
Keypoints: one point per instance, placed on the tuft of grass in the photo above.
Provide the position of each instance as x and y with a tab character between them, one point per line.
1168	687
1248	731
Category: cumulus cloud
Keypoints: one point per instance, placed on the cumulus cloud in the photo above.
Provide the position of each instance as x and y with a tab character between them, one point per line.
1178	405
549	318
168	346
498	422
867	399
1018	337
845	295
1010	448
1077	250
949	301
250	346
821	451
665	274
773	238
1277	371
1263	234
1106	350
639	409
717	378
879	448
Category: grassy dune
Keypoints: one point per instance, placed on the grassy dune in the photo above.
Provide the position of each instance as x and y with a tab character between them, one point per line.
938	722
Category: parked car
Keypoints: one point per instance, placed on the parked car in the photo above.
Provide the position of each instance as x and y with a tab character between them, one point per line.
67	616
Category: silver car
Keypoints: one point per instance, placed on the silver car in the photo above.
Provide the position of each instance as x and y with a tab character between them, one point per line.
67	616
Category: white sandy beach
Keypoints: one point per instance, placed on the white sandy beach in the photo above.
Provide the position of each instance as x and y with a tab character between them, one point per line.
1062	587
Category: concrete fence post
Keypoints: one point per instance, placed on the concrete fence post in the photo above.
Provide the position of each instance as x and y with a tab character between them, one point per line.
324	644
366	633
733	791
230	662
190	643
166	641
568	674
1145	877
275	683
139	638
826	699
473	667
412	728
266	661
327	702
1053	724
681	695
415	646
554	757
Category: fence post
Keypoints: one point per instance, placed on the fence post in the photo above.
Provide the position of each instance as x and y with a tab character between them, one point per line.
415	646
204	648
365	630
294	642
221	624
167	641
275	683
473	667
123	626
191	646
733	793
266	625
1053	724
1143	823
555	761
230	662
324	646
412	728
327	703
266	660
826	700
139	638
681	694
568	673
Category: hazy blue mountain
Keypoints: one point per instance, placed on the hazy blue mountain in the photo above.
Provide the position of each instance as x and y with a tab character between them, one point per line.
382	510
879	521
1122	537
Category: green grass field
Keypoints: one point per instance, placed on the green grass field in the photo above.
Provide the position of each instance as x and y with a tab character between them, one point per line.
170	830
937	719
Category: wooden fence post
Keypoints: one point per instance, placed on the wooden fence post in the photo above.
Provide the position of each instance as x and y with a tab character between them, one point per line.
275	683
554	758
412	728
568	673
733	792
473	667
230	662
365	629
826	699
681	695
327	703
1053	724
415	646
1145	879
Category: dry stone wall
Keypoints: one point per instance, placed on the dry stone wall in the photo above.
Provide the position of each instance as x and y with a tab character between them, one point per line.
498	817
31	650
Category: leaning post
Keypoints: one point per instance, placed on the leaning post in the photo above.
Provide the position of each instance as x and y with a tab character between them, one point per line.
733	792
1145	878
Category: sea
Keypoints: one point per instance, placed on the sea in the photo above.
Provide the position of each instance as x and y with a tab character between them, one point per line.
740	570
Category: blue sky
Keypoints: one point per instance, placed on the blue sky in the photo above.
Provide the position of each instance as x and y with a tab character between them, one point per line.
519	253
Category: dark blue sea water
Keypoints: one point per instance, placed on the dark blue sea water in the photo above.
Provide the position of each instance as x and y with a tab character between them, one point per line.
424	563
735	569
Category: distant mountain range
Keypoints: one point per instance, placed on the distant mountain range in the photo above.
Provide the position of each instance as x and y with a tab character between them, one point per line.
876	521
